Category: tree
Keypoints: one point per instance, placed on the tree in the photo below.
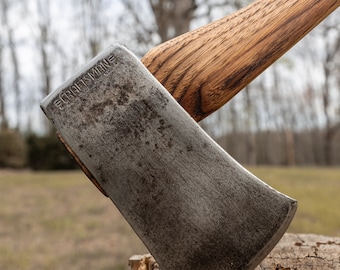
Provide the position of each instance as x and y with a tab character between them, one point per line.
12	149
330	80
93	26
44	26
14	60
150	22
297	98
172	17
3	116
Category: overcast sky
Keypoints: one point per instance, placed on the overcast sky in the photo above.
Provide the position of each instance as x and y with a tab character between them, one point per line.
65	21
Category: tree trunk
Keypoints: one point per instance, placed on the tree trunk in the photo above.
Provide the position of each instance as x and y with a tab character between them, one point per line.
16	76
172	17
290	147
327	96
3	117
93	26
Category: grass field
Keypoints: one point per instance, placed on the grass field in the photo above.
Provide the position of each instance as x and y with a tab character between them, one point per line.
59	220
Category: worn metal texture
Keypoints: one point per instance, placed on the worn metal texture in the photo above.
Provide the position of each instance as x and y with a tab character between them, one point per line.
182	194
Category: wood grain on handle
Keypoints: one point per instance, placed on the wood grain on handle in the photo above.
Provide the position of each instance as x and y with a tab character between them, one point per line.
205	68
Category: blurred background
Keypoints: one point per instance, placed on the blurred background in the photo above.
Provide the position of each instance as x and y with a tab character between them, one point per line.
288	116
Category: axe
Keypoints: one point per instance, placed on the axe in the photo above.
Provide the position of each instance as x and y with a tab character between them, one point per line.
193	205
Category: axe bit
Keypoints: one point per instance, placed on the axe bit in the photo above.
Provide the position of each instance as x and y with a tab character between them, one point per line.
193	206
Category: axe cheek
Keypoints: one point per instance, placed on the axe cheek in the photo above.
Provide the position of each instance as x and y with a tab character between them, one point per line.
182	194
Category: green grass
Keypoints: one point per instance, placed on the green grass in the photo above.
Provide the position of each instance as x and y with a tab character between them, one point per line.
317	191
61	221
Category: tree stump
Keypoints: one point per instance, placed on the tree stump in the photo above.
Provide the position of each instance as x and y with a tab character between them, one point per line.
293	252
303	251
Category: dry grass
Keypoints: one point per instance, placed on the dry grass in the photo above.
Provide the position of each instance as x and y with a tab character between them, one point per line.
61	221
317	191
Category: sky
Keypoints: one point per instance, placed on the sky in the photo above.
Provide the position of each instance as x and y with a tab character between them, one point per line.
65	25
24	19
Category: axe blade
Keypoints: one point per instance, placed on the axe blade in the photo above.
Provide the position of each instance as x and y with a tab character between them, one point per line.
193	205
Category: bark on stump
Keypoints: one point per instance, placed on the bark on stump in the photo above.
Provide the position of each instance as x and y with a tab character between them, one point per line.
294	251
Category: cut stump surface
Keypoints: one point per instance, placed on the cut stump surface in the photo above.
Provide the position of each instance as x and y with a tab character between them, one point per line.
293	252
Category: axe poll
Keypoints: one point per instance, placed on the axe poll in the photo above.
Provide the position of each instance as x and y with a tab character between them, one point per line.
193	206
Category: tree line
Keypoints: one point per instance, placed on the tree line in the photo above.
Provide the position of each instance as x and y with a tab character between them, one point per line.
290	115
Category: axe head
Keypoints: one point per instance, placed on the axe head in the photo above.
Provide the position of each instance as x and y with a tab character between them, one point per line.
193	206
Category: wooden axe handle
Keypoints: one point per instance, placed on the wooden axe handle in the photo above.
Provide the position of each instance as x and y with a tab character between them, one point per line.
203	69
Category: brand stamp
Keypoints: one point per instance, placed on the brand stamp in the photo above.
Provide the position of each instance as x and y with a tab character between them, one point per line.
85	82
